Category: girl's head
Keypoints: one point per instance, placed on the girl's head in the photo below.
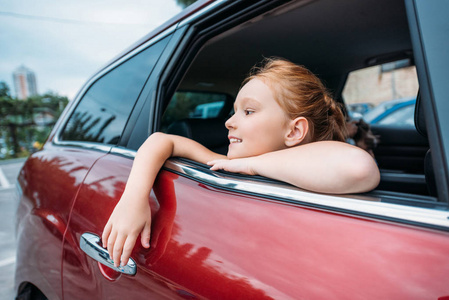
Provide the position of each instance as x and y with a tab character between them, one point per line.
281	105
301	94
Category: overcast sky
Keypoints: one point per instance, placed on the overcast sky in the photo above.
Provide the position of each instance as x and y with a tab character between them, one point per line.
66	42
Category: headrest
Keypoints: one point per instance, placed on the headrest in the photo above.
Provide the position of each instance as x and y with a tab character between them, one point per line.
420	122
211	133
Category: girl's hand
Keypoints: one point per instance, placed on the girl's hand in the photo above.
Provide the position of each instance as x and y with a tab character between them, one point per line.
238	165
128	219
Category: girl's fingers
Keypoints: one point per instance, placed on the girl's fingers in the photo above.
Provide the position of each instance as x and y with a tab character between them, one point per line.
214	165
145	235
218	165
215	168
106	231
215	161
118	249
127	249
111	242
222	164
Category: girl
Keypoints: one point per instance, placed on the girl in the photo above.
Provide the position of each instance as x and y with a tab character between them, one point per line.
285	127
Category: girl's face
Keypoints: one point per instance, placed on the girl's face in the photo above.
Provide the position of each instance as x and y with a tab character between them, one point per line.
259	125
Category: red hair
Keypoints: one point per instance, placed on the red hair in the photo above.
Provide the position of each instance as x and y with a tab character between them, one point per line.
301	94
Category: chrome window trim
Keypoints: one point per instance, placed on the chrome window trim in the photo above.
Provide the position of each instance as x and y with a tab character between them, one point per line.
362	205
201	12
86	145
92	80
124	152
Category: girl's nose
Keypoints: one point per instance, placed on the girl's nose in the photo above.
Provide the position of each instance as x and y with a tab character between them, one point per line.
230	123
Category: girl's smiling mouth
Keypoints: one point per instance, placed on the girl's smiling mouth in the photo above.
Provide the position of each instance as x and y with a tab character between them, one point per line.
233	140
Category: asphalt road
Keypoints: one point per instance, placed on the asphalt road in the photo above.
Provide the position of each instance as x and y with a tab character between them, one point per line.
8	173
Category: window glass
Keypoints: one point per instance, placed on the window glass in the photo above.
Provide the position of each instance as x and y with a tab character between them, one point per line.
383	94
193	105
104	110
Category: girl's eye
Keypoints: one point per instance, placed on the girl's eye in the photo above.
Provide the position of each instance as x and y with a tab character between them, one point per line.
248	112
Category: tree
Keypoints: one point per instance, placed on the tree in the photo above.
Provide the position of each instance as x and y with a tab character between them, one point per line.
18	119
185	3
4	90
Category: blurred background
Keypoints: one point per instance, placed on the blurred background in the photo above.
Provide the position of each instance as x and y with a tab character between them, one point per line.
50	48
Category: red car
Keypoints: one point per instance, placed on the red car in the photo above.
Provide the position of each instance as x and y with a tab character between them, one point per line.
219	235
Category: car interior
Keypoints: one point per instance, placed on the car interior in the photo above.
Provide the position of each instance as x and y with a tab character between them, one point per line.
331	38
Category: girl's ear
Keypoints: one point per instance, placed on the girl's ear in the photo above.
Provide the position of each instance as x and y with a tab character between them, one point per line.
297	132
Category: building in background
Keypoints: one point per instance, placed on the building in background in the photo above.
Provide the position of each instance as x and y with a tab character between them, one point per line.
24	82
376	84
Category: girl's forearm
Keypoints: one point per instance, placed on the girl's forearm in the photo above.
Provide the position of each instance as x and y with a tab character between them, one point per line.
152	155
327	167
150	158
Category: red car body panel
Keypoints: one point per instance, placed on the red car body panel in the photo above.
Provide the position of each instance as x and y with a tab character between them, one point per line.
210	243
44	211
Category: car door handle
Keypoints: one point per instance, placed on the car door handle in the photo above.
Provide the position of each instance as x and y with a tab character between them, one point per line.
90	244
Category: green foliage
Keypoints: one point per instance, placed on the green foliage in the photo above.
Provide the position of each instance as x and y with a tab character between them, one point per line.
25	124
4	90
185	3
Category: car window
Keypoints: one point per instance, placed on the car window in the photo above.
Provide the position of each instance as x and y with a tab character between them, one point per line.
383	94
103	111
195	105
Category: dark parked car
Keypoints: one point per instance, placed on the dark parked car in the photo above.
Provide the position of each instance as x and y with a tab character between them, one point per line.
360	108
227	236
